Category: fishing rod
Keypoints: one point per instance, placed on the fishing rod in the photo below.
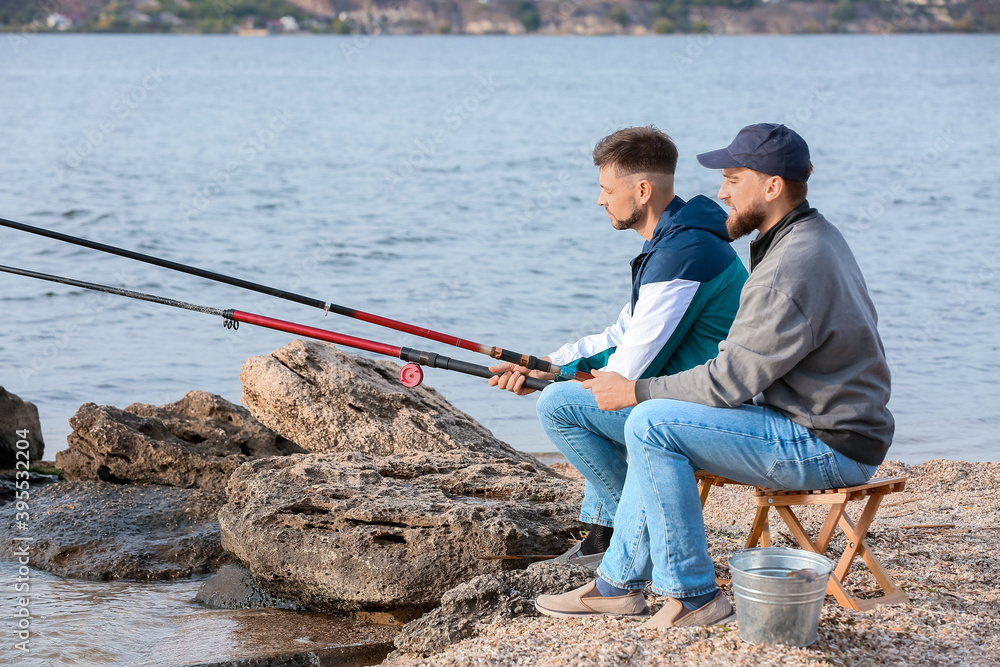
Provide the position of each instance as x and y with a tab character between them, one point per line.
410	375
528	361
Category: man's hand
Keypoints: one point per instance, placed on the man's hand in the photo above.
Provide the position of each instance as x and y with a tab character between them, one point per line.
611	390
511	377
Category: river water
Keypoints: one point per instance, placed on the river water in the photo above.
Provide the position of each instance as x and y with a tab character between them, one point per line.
446	181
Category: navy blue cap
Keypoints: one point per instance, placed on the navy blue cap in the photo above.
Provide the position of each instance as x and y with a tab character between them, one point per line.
765	147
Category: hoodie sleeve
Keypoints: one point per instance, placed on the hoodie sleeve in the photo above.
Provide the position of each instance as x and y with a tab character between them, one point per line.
769	337
593	351
654	329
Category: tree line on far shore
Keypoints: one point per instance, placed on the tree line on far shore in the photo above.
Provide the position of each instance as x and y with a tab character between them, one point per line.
441	16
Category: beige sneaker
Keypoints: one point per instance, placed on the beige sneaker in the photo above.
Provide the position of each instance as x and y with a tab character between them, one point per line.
586	601
674	614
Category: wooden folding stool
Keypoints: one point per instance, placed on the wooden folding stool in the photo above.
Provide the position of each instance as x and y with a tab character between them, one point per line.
836	500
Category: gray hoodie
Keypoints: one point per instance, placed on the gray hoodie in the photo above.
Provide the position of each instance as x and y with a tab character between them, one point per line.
805	338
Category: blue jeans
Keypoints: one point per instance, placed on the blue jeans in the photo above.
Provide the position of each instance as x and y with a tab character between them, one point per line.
659	529
592	440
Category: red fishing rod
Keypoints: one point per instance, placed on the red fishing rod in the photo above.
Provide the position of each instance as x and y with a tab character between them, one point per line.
410	375
525	360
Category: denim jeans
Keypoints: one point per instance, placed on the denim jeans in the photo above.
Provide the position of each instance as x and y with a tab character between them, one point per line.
592	440
659	529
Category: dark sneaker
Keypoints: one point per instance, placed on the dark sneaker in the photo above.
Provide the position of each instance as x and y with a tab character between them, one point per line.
575	557
586	601
674	614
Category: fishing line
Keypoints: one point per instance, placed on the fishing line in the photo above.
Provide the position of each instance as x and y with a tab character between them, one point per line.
528	361
410	375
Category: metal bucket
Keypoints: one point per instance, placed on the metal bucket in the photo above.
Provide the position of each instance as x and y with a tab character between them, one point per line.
779	594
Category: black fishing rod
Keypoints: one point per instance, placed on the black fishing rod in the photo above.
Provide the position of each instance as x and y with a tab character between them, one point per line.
525	360
410	375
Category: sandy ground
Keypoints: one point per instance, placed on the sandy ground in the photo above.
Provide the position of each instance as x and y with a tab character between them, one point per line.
950	572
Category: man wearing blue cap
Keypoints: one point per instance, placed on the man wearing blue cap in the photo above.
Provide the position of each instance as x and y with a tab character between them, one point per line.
795	399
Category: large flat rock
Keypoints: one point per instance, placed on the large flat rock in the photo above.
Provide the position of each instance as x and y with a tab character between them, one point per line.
195	442
352	531
328	401
404	498
93	530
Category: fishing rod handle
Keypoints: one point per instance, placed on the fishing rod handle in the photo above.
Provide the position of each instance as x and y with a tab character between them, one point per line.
528	361
534	363
435	360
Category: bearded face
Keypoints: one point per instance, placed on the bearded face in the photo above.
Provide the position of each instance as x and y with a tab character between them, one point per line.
626	223
740	223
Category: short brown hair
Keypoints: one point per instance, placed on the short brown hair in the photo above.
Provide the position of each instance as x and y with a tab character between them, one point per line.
797	190
636	150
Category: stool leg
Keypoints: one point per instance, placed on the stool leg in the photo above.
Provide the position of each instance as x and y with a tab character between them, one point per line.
703	491
798	532
893	594
829	526
759	529
856	534
834	586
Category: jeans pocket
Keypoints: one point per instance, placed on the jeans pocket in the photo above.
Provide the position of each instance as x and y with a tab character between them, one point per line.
815	472
854	472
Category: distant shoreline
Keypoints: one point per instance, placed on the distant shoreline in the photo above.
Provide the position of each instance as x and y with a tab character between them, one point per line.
710	18
534	35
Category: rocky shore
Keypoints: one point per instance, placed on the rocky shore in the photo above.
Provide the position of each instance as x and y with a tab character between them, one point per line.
938	539
337	490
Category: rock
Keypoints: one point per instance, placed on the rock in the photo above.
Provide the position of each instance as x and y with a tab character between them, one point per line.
233	587
196	442
92	530
12	481
353	655
328	401
350	531
484	600
16	417
405	497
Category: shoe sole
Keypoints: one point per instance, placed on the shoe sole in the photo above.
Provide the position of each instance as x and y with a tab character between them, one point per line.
721	621
583	614
592	561
727	619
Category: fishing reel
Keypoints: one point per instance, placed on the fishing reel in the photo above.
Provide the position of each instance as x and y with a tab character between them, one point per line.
411	375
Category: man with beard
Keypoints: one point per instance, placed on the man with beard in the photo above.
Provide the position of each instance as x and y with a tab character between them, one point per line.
685	291
795	399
